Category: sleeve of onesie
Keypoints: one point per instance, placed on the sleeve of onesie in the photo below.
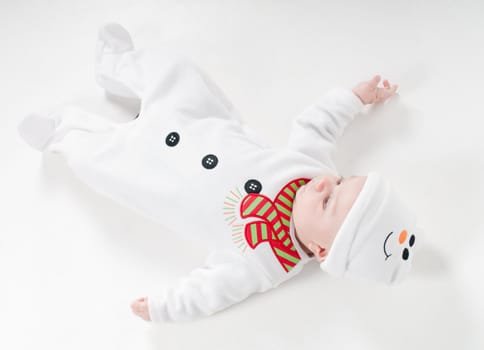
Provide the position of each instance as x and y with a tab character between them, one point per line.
316	130
225	279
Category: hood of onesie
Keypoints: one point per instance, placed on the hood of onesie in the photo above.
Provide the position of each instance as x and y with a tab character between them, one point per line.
377	238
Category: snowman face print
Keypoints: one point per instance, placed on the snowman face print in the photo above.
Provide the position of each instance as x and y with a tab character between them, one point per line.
403	240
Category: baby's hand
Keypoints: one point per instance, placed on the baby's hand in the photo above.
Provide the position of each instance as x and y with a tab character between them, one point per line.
369	92
140	308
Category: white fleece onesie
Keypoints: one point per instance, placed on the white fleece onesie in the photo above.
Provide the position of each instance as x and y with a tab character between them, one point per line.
188	162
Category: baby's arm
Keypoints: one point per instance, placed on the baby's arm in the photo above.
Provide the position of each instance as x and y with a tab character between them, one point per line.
316	130
225	279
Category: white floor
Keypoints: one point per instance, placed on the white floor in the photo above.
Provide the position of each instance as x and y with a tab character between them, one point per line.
71	262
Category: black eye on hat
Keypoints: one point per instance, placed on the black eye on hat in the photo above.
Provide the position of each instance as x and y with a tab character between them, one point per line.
411	242
405	254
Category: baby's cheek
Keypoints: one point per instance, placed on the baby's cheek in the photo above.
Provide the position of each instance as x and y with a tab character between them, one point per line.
297	217
306	224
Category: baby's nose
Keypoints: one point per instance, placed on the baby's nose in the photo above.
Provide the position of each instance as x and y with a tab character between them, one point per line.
321	184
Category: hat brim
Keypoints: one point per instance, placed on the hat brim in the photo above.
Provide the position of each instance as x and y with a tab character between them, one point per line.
335	262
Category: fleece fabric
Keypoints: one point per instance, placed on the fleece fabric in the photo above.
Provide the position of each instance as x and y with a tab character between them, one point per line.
190	163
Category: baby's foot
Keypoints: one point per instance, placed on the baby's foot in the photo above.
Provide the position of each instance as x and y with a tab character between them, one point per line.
113	38
37	130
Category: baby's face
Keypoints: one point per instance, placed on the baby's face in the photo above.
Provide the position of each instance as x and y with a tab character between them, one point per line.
320	208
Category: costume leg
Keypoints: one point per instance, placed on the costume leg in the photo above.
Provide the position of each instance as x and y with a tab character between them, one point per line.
155	76
94	148
116	62
71	132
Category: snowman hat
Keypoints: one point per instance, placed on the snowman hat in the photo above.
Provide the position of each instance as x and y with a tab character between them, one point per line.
376	240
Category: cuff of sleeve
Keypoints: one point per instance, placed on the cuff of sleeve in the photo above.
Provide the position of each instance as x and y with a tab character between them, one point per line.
155	309
345	97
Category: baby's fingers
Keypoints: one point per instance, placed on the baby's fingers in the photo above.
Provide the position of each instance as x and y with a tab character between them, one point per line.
138	305
135	306
383	93
374	81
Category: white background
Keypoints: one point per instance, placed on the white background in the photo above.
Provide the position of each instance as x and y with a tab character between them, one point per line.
71	261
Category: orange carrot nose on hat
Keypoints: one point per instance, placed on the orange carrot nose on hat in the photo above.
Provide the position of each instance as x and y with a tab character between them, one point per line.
376	240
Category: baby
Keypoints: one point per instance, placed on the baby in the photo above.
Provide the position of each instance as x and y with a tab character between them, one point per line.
188	162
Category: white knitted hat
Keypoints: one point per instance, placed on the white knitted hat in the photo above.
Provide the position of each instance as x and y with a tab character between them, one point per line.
376	240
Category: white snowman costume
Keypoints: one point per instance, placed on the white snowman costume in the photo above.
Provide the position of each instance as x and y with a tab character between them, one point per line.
188	162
